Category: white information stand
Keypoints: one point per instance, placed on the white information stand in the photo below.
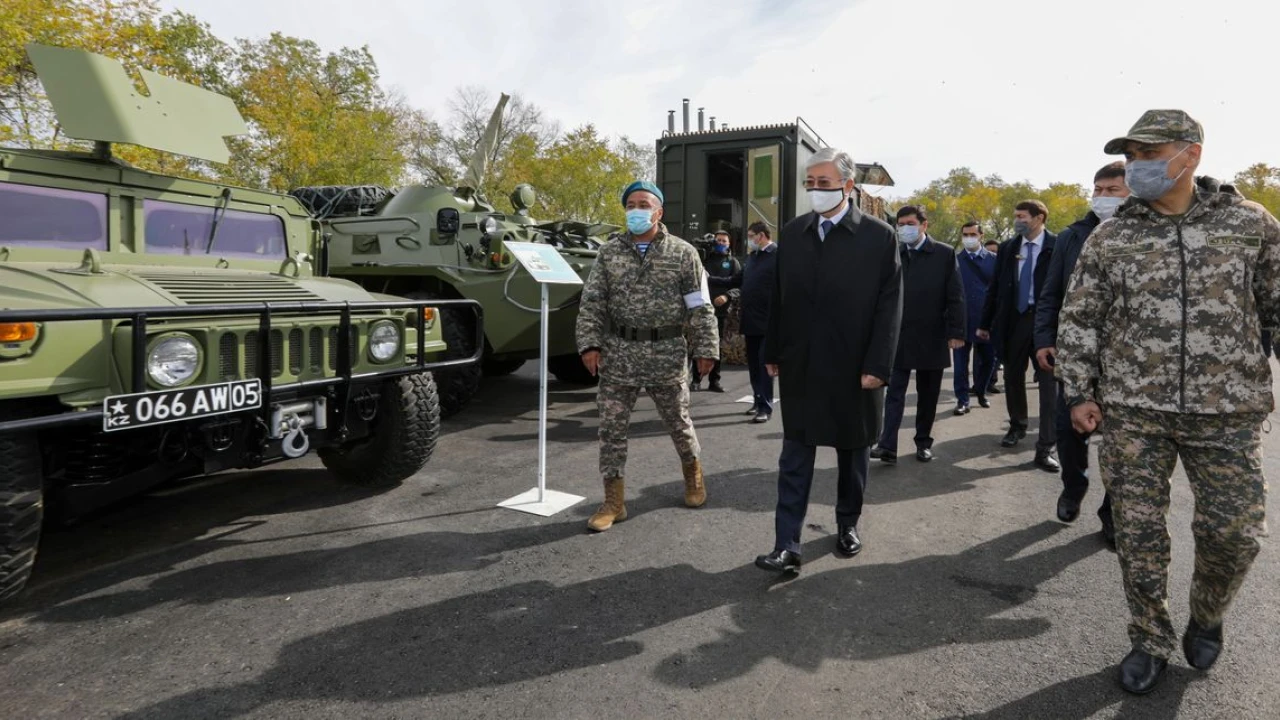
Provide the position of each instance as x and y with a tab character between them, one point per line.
545	264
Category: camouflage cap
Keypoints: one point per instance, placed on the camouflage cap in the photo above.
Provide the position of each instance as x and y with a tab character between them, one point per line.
1159	126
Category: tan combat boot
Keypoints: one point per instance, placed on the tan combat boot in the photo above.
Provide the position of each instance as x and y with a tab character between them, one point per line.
695	492
613	510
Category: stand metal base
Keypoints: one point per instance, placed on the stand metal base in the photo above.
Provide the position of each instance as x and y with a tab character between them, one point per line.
553	501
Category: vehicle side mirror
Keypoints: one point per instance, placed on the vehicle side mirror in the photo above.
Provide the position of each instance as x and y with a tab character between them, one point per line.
448	221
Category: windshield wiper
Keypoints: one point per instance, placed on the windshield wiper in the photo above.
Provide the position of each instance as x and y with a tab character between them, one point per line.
222	206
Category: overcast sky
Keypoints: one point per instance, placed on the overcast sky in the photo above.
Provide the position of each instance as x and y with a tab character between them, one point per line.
1028	89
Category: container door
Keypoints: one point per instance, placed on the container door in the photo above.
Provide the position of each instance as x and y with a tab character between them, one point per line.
764	165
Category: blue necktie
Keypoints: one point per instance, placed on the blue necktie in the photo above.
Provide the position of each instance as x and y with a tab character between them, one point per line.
826	228
1026	278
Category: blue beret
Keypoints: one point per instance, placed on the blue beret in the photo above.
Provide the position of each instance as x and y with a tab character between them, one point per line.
641	185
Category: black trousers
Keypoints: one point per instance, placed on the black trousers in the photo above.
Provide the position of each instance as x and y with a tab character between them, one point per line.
761	383
714	375
984	370
928	388
1073	454
1019	352
795	477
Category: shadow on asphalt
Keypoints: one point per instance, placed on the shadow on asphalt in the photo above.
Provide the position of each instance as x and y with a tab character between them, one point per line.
1087	695
535	629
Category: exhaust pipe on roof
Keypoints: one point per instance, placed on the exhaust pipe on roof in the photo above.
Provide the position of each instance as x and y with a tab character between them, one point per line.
700	125
686	114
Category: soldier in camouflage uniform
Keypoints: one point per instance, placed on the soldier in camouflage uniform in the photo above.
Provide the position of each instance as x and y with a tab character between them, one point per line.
645	294
1158	348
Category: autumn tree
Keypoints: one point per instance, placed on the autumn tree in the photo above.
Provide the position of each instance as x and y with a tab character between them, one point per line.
961	196
1260	183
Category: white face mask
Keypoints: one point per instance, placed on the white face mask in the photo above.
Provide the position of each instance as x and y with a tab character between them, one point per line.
1105	207
825	200
908	234
970	243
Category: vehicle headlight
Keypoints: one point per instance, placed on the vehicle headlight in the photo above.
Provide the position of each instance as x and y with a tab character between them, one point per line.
384	340
488	225
173	360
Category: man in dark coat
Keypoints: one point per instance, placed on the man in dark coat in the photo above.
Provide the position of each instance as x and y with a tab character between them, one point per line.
755	297
1021	267
933	320
724	274
1109	190
977	269
833	333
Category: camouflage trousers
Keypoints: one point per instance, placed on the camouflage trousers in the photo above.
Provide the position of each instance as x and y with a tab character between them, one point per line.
1222	455
615	403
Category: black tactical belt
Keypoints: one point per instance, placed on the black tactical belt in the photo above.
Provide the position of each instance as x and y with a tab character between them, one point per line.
652	334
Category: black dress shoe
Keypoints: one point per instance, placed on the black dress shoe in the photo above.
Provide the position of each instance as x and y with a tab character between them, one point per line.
983	401
1201	645
876	452
847	541
1141	671
779	561
1012	437
1068	508
960	409
1108	531
1046	461
887	456
993	390
752	411
715	387
762	417
924	454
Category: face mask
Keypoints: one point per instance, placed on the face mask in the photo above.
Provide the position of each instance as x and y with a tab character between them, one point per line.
1149	179
1022	227
970	244
1105	207
825	200
639	221
908	234
720	249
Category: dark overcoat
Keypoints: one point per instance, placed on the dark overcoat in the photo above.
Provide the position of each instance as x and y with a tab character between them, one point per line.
932	307
835	316
1001	311
977	274
757	290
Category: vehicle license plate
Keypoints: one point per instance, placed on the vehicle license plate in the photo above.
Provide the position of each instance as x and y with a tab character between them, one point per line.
125	412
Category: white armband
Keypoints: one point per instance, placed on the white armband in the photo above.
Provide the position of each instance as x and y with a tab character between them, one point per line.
699	297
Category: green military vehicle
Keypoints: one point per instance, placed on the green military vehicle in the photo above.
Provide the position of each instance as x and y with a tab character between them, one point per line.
435	242
154	328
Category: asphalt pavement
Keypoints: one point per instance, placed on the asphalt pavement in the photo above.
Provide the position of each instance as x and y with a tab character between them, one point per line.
279	593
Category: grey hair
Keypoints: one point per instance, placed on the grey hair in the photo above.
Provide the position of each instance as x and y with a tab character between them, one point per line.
843	162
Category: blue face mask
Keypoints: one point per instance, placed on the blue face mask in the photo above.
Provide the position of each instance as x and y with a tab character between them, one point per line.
639	221
719	249
1149	179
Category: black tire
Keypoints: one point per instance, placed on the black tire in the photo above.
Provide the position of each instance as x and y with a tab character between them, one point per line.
569	369
498	368
21	510
457	385
401	441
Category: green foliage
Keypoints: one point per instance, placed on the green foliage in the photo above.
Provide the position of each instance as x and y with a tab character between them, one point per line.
1260	183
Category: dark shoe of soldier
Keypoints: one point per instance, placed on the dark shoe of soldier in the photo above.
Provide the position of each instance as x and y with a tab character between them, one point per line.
1108	531
847	541
1012	437
1201	645
714	386
924	454
779	561
695	491
613	510
1141	671
961	409
1068	507
761	417
983	401
1046	461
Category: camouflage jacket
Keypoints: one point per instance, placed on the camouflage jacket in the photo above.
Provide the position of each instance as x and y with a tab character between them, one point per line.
1165	313
667	286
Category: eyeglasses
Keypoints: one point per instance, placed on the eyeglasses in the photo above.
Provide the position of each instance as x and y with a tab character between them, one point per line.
823	184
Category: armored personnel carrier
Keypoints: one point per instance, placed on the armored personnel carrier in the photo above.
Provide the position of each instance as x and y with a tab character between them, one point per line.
154	328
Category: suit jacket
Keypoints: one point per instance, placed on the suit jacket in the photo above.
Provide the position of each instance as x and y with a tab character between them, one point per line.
976	274
1049	302
835	316
757	290
932	307
1001	309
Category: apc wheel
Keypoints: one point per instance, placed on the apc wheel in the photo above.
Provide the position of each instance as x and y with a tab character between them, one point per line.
401	441
458	384
498	368
569	369
21	510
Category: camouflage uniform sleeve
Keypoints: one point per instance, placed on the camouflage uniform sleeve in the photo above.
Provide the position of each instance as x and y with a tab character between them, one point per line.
1266	278
593	312
1085	306
700	321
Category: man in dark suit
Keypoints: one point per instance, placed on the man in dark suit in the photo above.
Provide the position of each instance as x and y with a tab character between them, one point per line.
755	297
1021	267
933	321
1109	191
977	269
833	333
